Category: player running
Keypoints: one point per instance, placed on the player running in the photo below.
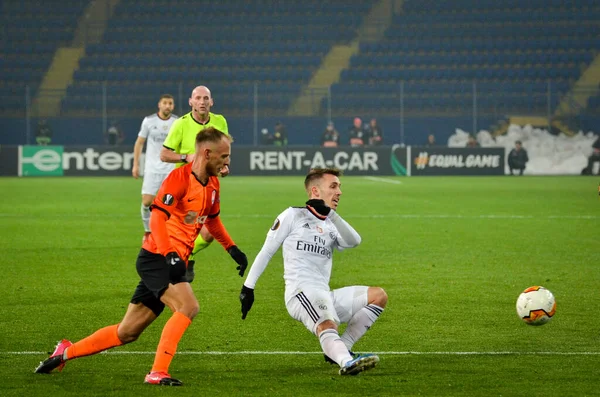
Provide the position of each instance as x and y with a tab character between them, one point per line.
179	147
309	235
154	129
187	200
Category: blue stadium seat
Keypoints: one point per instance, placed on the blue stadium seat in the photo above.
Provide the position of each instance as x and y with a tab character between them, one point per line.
511	49
31	32
280	44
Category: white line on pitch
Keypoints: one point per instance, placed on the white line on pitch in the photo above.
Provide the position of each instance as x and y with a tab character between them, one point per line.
376	179
357	216
383	353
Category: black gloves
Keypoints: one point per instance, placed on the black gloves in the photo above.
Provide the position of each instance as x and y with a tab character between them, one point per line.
176	265
247	299
189	274
240	259
319	207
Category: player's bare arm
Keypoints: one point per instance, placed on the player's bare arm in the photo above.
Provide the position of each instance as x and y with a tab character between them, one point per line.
169	156
137	153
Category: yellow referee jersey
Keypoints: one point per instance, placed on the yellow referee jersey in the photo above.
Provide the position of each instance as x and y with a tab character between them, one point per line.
182	135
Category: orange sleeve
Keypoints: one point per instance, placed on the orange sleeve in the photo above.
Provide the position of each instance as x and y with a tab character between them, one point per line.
171	191
218	231
158	225
215	226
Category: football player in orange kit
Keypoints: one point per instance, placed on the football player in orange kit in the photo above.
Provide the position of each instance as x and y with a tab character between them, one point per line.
187	200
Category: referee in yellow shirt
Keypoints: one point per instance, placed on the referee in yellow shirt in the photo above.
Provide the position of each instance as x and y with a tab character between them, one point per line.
179	146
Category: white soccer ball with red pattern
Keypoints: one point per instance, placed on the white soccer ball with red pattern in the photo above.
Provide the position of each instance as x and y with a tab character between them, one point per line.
536	305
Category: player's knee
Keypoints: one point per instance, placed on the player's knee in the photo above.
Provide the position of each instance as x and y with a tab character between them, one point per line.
147	201
206	236
327	324
190	310
127	335
378	296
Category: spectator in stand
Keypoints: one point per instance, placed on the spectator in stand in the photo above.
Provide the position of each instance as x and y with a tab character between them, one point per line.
43	135
114	135
330	138
594	158
265	137
472	141
280	135
357	133
517	158
430	141
375	133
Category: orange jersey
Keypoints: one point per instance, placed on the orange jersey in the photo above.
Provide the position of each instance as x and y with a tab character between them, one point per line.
188	205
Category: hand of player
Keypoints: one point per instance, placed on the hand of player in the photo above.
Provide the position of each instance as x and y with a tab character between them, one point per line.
189	271
240	258
224	171
135	172
318	207
190	157
247	299
176	265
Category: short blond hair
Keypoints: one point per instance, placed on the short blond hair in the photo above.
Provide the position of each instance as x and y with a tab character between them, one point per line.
317	173
211	134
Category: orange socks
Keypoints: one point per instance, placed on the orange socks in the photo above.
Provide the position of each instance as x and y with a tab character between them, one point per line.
107	337
103	339
172	333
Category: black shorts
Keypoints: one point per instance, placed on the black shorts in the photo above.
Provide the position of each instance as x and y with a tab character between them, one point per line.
155	276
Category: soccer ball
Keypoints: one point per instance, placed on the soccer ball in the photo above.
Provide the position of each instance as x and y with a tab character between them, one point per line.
536	305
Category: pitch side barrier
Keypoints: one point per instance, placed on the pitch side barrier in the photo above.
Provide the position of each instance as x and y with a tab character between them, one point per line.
262	160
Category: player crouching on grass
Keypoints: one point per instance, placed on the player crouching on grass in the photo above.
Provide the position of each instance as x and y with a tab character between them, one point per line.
187	200
308	235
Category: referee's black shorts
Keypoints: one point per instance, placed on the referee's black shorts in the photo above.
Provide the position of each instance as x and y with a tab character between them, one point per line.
156	275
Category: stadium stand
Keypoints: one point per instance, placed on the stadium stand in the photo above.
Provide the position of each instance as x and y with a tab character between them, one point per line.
228	45
31	31
511	49
439	53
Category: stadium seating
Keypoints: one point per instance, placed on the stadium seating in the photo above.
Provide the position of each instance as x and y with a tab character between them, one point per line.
448	51
227	45
437	60
31	31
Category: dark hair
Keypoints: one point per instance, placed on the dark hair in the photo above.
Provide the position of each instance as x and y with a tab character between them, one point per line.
518	143
317	173
166	96
211	134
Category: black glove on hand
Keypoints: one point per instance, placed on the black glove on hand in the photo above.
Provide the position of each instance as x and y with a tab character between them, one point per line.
189	273
247	299
176	265
240	259
319	206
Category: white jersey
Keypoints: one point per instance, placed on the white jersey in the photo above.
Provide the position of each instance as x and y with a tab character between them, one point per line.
155	130
308	244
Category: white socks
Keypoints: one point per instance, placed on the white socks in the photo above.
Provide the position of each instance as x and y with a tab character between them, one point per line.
333	347
360	323
146	217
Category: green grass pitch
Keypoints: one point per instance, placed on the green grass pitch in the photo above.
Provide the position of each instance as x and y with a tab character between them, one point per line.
452	253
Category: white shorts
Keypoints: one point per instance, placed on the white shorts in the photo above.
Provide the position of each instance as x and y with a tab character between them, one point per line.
312	307
152	183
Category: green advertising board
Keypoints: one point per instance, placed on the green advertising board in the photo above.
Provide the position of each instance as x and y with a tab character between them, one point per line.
40	160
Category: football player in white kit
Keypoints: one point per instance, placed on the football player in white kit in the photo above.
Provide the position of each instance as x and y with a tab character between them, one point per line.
308	235
154	129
